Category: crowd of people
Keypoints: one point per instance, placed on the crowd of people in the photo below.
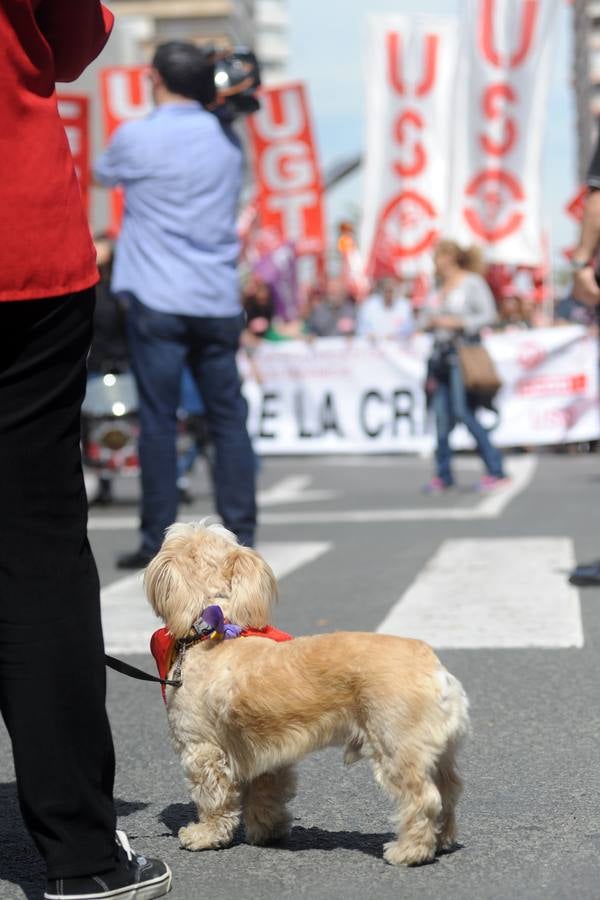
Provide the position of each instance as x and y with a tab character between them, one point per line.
328	308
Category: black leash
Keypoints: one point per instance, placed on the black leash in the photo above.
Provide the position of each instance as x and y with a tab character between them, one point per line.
125	669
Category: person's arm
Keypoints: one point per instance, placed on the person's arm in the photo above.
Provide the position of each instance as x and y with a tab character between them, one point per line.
408	326
123	160
585	287
480	309
363	324
76	31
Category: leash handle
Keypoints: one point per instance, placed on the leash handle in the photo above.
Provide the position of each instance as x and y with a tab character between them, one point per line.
125	669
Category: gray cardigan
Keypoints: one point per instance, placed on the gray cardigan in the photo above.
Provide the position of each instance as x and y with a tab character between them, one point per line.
472	301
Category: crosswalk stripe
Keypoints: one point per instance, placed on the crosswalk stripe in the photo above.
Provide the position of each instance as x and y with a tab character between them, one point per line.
520	469
128	620
503	592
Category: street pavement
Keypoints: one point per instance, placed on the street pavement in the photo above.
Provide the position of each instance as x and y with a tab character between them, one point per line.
357	547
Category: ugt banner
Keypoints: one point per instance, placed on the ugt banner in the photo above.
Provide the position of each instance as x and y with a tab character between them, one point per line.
74	110
286	168
126	95
499	127
411	64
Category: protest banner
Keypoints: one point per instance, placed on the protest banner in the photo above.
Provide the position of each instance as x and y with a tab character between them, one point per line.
74	110
286	169
337	395
410	66
126	95
499	117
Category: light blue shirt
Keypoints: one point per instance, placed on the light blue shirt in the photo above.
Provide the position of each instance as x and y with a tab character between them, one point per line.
181	171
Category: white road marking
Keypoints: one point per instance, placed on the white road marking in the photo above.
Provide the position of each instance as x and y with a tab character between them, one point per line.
128	620
387	461
521	470
293	489
504	592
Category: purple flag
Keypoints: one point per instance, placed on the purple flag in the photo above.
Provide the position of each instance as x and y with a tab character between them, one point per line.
279	270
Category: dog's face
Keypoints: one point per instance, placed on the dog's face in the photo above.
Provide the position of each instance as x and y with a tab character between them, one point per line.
198	565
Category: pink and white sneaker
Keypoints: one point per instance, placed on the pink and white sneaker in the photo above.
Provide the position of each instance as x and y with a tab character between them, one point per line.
489	483
436	486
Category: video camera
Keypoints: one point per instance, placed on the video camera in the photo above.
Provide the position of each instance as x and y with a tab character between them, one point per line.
237	79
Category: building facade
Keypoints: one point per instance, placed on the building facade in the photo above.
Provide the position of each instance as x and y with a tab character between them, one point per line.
222	22
586	77
271	33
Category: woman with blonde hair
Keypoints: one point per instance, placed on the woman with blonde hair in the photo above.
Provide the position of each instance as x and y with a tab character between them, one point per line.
465	305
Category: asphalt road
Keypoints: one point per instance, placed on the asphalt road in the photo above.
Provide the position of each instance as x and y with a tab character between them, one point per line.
530	817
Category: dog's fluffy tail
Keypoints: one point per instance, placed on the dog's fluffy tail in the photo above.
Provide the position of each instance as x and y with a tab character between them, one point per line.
455	706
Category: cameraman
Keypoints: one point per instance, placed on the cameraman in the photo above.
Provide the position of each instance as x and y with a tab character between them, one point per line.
176	258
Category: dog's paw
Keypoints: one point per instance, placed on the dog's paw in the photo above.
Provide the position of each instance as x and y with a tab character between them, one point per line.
398	854
202	837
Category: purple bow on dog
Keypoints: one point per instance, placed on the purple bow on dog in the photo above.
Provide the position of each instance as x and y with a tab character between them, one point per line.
214	618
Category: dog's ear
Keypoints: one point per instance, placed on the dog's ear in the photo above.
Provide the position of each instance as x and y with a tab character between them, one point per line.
253	589
170	595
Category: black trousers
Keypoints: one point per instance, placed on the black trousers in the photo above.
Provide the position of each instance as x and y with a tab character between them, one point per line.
52	675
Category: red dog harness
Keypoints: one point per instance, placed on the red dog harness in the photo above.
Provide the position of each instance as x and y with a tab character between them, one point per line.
165	648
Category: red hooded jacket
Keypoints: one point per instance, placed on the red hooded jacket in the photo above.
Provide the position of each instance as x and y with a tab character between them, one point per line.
45	244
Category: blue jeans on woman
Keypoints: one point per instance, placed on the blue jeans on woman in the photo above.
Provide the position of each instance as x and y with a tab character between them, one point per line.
451	407
160	345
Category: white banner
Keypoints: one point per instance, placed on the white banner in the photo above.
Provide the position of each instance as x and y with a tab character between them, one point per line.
337	395
410	69
500	113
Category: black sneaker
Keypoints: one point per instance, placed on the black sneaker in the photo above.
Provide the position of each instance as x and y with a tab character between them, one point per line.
134	878
586	575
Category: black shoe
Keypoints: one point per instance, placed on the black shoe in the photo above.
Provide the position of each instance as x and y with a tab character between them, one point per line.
104	494
133	878
137	560
586	575
185	496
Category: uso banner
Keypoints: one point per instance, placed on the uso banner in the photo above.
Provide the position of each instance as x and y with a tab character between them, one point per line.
410	67
126	94
74	111
499	127
337	395
286	169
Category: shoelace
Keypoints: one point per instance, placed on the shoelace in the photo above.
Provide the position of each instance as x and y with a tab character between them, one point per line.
123	842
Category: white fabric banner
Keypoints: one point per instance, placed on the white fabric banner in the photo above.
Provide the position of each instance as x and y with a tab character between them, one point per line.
410	70
500	113
337	395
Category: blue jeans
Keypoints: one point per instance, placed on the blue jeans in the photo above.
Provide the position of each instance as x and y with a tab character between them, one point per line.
161	344
450	407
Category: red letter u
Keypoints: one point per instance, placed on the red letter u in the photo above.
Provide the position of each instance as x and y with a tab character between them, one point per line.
395	64
487	45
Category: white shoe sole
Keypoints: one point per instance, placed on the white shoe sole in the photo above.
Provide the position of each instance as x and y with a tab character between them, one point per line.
148	890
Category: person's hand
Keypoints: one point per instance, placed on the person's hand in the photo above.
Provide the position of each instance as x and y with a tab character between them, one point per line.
248	340
585	286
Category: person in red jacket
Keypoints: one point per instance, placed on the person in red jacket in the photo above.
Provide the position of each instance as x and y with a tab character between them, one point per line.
52	675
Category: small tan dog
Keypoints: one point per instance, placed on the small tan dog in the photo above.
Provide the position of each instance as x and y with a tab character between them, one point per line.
248	709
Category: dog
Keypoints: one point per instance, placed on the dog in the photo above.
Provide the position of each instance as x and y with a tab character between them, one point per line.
248	709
